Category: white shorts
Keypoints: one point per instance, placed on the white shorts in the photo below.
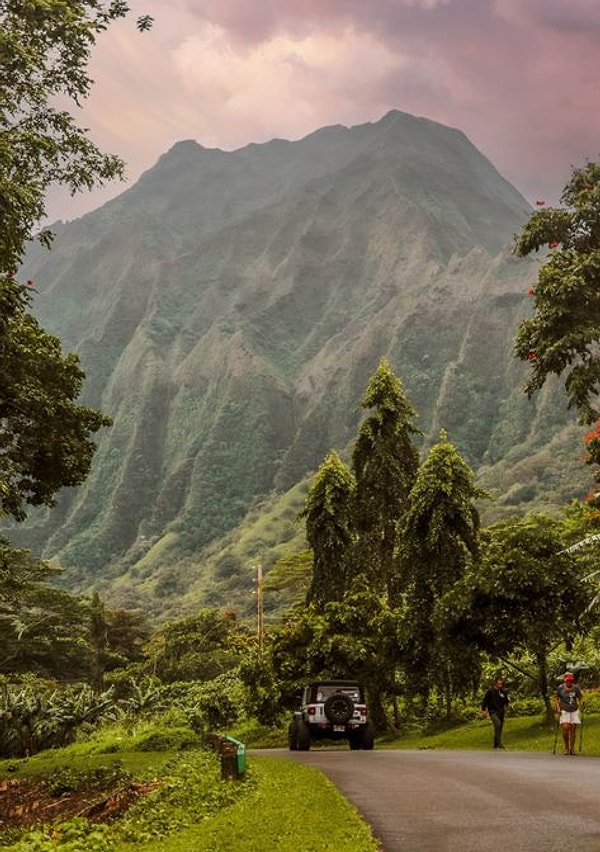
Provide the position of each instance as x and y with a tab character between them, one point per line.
569	717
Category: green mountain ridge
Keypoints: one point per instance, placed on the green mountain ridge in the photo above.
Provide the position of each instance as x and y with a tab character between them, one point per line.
228	310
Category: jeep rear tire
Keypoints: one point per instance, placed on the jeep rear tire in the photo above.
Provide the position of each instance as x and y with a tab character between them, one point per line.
303	735
368	736
339	708
293	736
298	735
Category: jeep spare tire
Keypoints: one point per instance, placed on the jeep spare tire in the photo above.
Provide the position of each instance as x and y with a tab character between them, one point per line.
339	708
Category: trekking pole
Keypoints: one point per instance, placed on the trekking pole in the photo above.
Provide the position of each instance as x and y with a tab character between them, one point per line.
581	733
556	733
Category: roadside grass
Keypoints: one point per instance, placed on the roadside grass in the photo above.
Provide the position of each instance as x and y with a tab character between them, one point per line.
521	733
280	804
289	807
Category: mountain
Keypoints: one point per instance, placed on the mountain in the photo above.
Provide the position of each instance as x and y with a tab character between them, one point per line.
228	310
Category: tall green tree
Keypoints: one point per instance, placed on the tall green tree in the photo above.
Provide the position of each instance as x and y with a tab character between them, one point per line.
384	462
525	596
563	334
438	542
45	46
329	530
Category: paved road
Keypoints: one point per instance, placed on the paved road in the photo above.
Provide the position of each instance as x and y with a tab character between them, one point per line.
462	801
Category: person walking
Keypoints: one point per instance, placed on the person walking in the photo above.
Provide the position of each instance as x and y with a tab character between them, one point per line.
569	704
495	703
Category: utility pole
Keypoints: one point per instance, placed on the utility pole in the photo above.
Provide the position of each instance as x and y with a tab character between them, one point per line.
259	605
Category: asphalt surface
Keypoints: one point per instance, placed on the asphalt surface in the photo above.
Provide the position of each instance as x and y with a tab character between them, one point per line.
442	801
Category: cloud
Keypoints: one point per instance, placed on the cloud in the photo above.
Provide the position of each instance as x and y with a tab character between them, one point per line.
519	77
283	86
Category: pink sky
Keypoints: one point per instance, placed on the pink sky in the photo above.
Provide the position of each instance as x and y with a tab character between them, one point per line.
520	77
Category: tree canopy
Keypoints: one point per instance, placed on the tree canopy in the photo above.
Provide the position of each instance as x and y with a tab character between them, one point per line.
45	47
438	542
525	596
46	438
384	462
329	530
564	331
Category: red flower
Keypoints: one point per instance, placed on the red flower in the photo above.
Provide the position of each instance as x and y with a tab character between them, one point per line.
553	245
29	282
592	497
589	186
592	434
531	292
531	356
539	203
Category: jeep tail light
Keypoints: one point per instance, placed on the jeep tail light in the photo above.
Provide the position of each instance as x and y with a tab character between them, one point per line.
312	710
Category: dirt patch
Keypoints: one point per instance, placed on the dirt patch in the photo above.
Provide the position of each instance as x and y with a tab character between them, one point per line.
26	804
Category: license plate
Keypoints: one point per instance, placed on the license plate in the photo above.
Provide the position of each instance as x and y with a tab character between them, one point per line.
339	728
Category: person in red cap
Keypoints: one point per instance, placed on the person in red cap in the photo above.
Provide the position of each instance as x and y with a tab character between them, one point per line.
569	702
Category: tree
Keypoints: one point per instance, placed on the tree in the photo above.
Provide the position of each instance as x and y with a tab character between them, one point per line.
346	638
384	462
45	47
45	436
564	332
200	647
525	596
43	629
329	532
438	542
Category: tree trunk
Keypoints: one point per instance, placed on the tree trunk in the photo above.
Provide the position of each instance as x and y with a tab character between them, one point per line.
540	661
377	712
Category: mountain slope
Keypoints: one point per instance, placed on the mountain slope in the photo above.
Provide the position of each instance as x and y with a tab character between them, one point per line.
229	308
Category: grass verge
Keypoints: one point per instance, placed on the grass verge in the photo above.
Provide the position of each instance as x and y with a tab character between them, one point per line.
290	807
521	733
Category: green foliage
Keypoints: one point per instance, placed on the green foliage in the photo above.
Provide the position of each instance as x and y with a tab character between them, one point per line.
67	779
329	529
438	542
32	720
262	688
190	791
197	648
46	47
76	835
219	703
525	596
42	629
384	463
277	803
45	439
291	574
563	333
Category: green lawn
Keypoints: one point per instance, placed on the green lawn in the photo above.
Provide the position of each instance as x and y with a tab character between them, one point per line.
521	733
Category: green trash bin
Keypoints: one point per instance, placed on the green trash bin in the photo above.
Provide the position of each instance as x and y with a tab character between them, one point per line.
240	755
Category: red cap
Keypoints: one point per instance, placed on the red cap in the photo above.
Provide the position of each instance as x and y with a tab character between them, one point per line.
569	676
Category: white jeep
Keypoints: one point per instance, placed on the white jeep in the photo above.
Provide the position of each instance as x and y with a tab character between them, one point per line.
332	710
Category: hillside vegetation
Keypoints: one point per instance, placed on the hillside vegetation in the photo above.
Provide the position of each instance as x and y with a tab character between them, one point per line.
228	310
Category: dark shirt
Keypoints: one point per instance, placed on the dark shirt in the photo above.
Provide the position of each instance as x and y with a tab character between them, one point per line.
569	698
495	701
